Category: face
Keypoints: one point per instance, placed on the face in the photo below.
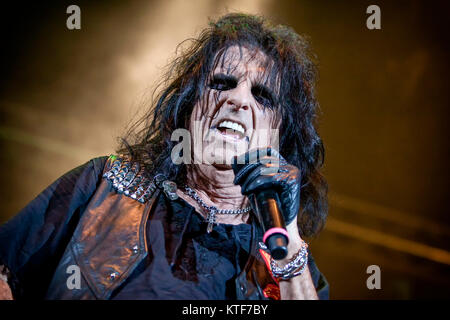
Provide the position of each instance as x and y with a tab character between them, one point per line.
237	111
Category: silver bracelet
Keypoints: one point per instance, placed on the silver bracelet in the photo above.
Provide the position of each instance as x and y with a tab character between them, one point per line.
4	273
294	268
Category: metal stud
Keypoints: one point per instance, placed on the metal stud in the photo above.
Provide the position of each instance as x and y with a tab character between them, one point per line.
113	275
130	179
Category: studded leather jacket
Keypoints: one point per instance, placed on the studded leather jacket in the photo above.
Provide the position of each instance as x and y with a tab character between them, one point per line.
109	240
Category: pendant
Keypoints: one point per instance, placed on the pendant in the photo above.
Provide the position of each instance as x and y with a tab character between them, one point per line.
170	189
211	218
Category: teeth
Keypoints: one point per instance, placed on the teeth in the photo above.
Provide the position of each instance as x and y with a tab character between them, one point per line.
232	125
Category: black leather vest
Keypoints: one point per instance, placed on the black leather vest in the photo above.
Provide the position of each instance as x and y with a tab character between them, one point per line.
110	239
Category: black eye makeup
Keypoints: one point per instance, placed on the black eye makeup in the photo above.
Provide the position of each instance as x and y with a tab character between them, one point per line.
264	96
223	82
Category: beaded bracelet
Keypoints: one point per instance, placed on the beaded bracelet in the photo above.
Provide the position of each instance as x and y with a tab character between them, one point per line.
294	268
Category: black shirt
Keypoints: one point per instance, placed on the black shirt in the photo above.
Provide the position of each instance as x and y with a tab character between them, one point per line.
183	261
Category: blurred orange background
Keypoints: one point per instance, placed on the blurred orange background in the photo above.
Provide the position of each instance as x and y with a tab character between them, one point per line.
66	95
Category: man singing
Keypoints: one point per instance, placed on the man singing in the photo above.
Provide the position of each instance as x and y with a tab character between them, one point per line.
162	222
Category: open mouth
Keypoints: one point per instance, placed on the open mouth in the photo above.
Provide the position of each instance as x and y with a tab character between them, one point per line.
231	129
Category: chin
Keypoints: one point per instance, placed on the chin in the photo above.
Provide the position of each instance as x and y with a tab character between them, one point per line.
220	162
222	166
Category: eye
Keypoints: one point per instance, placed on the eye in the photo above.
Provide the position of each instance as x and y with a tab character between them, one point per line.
264	96
222	82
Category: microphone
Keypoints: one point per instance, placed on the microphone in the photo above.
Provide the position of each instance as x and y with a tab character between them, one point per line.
267	206
275	236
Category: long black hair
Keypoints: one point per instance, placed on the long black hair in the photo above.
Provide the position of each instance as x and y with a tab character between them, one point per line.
148	140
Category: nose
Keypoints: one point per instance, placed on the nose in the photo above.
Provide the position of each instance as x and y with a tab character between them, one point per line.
240	97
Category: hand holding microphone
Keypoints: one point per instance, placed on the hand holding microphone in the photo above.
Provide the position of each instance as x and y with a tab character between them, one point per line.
272	185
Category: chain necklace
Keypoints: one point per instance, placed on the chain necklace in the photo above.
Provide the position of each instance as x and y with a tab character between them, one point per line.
211	210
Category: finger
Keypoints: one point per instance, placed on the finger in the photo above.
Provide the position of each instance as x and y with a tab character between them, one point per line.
251	156
243	172
271	164
257	182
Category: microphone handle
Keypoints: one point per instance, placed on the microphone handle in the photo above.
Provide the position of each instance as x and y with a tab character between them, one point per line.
275	236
